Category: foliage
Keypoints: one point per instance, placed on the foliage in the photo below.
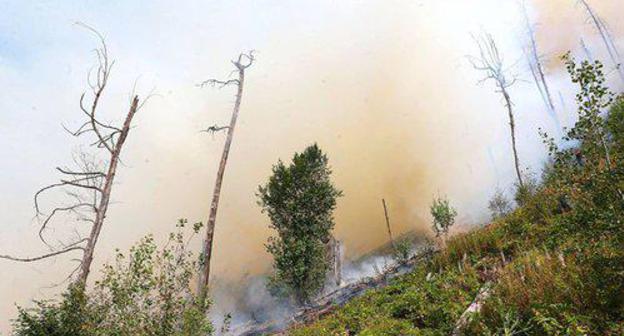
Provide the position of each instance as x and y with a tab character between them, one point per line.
443	215
147	292
48	318
412	305
556	263
499	205
615	123
402	249
526	190
573	284
299	200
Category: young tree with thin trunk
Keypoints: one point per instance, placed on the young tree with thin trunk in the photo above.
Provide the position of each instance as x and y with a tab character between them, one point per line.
606	37
90	183
244	61
443	215
491	63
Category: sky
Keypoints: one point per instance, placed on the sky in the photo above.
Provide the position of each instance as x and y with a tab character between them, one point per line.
383	87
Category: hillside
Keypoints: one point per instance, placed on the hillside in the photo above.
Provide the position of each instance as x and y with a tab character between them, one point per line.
552	266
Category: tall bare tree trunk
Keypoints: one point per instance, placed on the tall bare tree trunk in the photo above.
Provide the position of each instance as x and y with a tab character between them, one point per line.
100	213
537	69
586	50
535	61
91	184
606	38
512	127
214	205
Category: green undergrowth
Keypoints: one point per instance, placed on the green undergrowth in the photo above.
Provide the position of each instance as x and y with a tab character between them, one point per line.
554	265
551	275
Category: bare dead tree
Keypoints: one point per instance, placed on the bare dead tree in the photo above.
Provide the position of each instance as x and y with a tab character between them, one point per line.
606	37
90	183
491	63
244	61
383	202
534	58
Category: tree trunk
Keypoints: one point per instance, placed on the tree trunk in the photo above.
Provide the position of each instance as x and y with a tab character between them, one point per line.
207	253
383	201
586	50
512	126
102	208
338	263
604	34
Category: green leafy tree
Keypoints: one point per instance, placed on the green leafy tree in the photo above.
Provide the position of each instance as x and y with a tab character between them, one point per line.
443	216
147	293
299	200
590	164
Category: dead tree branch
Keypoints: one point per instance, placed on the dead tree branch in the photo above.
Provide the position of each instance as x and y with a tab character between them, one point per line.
43	256
215	129
90	183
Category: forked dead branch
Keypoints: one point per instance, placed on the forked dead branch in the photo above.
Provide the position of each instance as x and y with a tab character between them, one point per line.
89	184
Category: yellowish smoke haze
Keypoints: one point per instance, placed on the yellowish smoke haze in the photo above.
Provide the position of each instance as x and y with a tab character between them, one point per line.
383	87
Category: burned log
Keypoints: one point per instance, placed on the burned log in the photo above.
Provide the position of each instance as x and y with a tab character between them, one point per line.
332	301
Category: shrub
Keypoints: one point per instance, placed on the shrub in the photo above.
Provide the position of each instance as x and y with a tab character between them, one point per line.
49	318
443	216
145	293
552	294
402	249
499	205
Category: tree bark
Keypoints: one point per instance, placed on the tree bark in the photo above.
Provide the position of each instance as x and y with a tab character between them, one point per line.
383	201
102	208
214	205
512	126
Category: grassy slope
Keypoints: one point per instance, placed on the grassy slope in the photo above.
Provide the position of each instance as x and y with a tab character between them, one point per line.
552	281
555	271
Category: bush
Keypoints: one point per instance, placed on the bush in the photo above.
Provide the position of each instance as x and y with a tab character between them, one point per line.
443	216
145	293
49	318
413	305
402	249
526	190
499	205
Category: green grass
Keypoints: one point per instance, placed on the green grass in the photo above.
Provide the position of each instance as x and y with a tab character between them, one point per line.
553	273
557	279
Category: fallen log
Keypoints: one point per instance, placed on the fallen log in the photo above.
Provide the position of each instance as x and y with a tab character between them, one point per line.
475	307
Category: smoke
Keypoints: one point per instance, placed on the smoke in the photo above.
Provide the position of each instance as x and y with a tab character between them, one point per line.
573	16
383	89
